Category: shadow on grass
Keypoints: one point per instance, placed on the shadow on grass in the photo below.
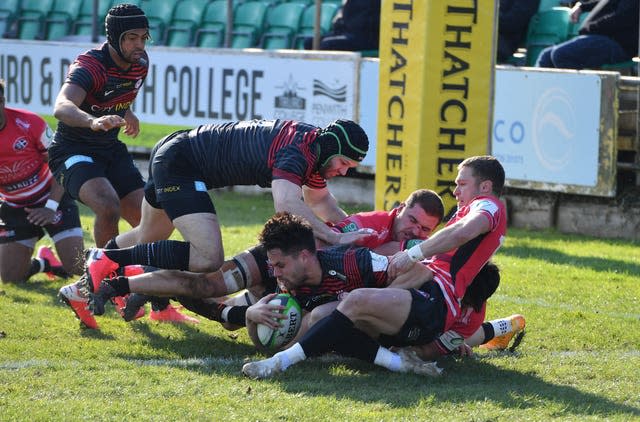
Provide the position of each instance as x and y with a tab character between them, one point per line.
553	256
469	381
189	343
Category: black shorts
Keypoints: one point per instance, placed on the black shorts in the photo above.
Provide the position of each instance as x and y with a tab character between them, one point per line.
73	164
14	225
426	318
174	184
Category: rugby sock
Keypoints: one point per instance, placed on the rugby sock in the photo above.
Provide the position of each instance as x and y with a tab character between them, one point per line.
290	356
120	285
501	326
489	332
387	359
235	315
159	303
336	332
38	265
111	244
167	254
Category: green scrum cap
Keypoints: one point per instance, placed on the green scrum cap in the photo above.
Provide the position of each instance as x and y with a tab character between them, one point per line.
342	137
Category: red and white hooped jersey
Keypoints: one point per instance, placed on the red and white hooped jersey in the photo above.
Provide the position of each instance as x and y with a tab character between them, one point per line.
25	178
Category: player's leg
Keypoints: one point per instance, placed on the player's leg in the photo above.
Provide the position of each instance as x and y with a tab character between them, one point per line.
131	207
98	194
338	332
15	262
126	179
67	236
497	333
202	231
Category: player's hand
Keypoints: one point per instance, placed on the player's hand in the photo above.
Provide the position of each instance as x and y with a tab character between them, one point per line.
398	264
132	128
359	237
465	350
40	216
106	123
263	313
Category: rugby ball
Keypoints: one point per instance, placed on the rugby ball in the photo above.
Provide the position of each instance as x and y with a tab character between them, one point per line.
289	326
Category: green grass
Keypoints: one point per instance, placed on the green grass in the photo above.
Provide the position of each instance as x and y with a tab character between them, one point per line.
579	360
147	138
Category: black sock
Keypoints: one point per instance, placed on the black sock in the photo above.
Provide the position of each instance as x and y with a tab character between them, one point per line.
489	332
332	333
111	244
237	315
167	254
159	303
120	285
34	267
209	310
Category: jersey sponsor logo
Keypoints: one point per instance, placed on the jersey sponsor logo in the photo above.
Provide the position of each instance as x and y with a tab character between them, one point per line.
168	189
75	159
23	124
351	227
20	144
112	108
22	184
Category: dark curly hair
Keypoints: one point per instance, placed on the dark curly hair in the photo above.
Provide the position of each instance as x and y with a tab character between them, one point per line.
289	233
482	287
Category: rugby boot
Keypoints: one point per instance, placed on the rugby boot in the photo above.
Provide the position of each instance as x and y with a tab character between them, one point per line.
134	306
261	369
97	267
410	362
502	342
122	302
172	314
73	297
45	252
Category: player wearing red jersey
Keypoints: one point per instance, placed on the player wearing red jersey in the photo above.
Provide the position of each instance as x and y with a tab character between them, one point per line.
32	203
413	219
431	304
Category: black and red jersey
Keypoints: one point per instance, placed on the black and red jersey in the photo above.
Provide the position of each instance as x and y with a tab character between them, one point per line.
110	91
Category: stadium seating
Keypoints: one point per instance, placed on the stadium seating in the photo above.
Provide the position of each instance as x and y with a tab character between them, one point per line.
186	19
60	18
214	22
549	4
159	14
327	12
248	23
84	23
8	15
31	19
282	23
546	28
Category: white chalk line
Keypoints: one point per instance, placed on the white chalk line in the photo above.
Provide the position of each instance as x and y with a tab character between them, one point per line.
211	362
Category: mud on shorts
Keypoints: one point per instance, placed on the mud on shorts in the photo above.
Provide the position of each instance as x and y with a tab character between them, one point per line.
15	227
426	318
73	164
174	184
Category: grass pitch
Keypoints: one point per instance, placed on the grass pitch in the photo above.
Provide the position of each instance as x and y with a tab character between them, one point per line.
579	361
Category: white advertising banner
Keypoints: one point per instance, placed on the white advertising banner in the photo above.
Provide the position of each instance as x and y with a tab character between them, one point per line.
196	86
546	126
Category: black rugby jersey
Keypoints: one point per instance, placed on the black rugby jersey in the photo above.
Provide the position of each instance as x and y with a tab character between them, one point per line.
344	268
254	153
110	90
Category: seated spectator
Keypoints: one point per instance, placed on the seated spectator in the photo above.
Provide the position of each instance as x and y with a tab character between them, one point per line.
513	22
356	27
609	34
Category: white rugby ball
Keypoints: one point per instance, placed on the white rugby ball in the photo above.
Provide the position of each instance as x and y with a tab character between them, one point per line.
288	327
